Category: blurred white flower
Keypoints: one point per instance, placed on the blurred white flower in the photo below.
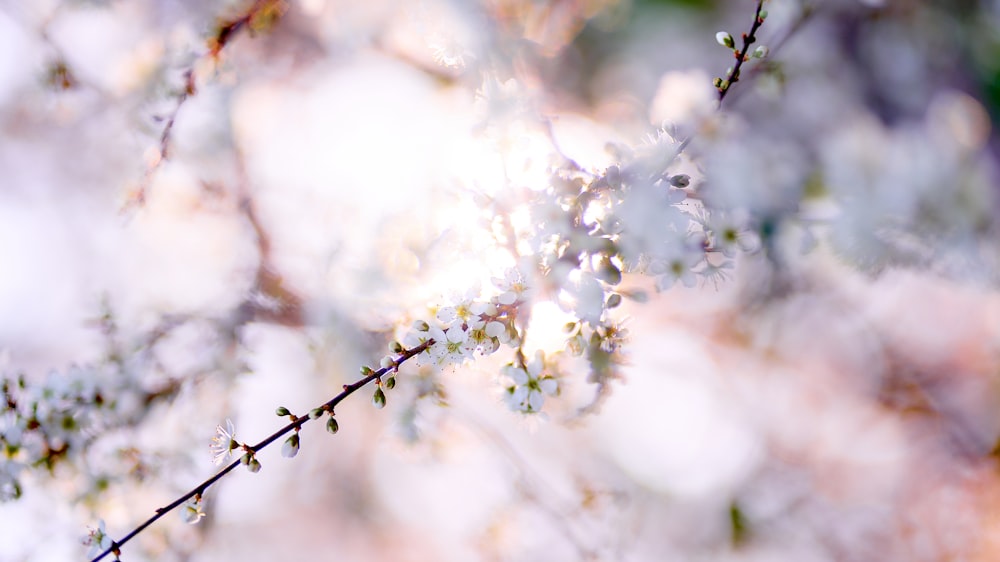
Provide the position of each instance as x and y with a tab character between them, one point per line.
191	512
97	539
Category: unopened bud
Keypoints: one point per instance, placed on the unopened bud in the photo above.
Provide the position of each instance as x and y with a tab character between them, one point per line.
725	39
291	446
378	399
332	426
282	411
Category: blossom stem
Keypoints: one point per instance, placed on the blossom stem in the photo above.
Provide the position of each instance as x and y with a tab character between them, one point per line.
291	426
741	56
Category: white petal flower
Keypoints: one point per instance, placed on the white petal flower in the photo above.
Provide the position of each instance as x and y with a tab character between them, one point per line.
191	511
223	443
530	385
97	539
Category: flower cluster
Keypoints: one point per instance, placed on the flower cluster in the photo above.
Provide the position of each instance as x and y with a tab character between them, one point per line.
471	325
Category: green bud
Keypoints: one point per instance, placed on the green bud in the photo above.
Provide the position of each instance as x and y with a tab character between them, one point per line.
763	15
315	413
638	296
725	39
717	82
609	272
332	426
282	411
421	326
614	300
390	383
761	52
254	465
395	347
366	371
378	399
680	180
291	446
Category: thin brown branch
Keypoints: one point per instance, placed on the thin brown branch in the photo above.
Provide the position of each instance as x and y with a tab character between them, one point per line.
741	55
294	425
261	15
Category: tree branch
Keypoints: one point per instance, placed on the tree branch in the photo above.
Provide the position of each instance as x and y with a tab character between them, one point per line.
741	55
297	423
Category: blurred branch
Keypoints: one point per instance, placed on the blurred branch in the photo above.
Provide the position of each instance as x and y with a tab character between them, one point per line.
251	450
260	16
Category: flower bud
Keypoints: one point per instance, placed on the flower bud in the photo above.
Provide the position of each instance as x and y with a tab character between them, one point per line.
387	362
332	426
254	465
315	413
680	180
395	347
378	399
390	383
291	446
725	39
761	52
609	272
421	326
282	411
366	371
614	300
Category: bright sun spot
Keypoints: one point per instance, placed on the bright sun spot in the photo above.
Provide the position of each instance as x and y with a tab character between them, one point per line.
545	332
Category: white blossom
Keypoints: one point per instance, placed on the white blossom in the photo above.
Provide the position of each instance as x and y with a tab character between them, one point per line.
529	385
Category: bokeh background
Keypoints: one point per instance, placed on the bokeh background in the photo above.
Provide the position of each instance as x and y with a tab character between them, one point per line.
224	230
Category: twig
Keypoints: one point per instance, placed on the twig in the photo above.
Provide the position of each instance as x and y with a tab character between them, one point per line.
741	55
260	14
299	421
